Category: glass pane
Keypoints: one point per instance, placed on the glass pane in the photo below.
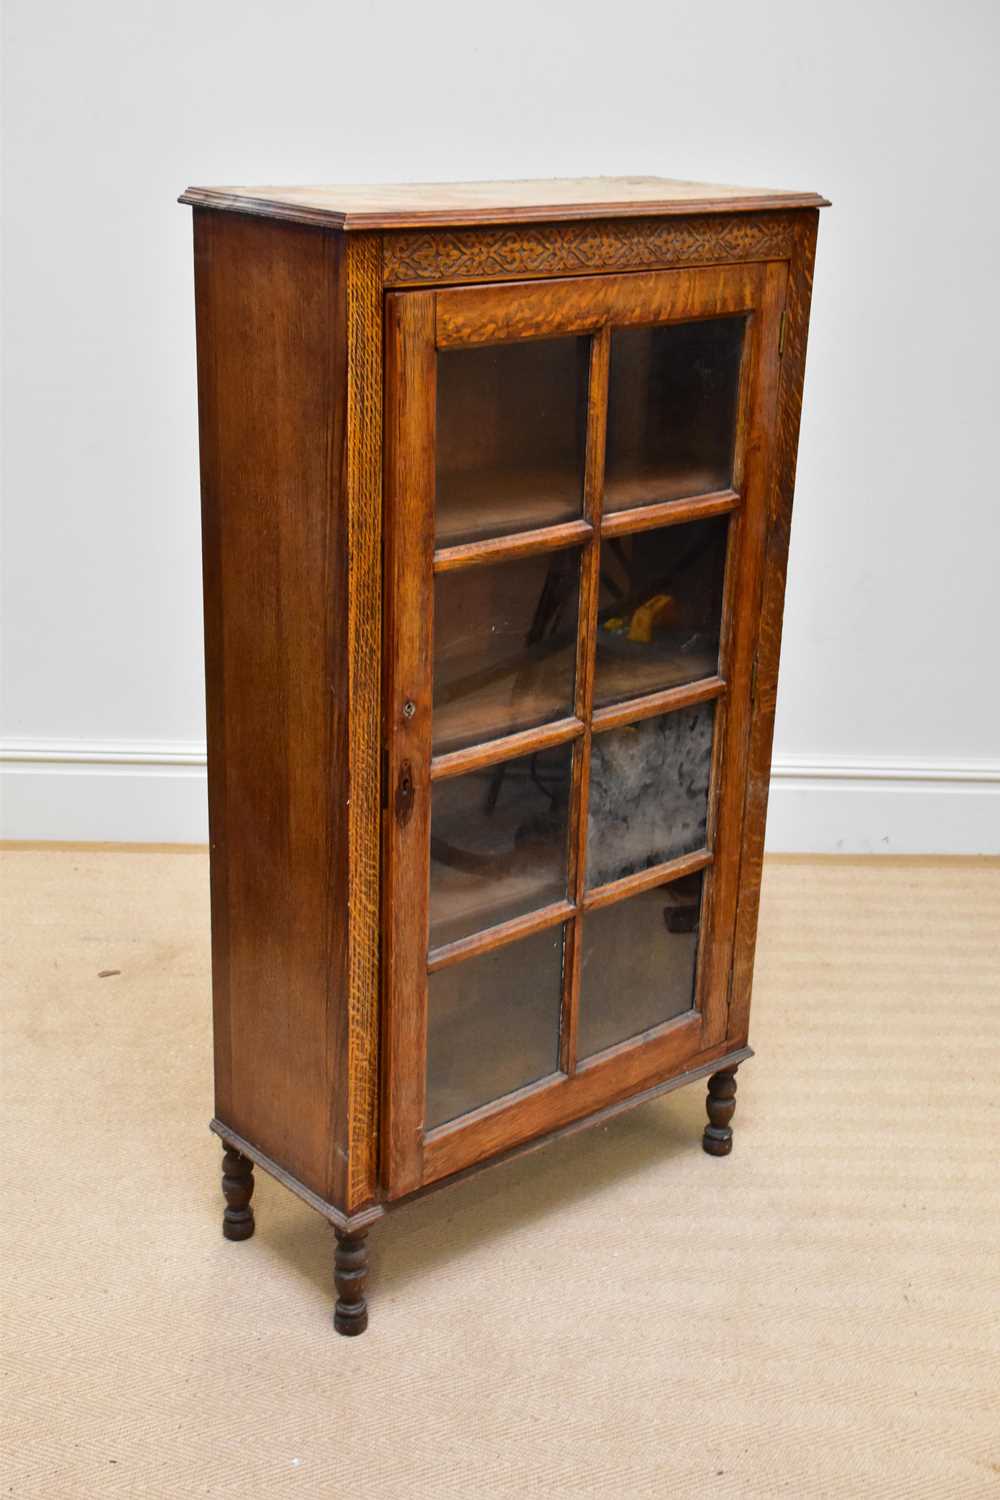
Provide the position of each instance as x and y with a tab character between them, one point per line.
671	411
638	964
498	843
504	647
648	793
493	1025
660	609
511	437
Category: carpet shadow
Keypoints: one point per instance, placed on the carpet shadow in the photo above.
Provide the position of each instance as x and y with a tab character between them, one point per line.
496	1204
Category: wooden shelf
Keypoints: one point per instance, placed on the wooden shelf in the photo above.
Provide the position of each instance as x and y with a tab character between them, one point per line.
508	700
662	664
476	506
686	481
498	844
463	904
482	503
493	710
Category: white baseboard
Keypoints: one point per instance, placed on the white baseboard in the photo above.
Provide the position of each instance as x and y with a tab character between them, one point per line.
840	806
139	792
108	792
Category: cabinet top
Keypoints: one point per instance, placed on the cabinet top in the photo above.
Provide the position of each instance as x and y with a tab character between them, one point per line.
403	205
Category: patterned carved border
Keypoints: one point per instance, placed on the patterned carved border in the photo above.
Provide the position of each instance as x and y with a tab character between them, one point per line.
364	613
418	257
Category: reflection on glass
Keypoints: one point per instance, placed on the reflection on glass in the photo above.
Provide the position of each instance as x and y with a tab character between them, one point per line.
498	843
511	437
493	1025
638	964
504	647
671	411
648	793
660	609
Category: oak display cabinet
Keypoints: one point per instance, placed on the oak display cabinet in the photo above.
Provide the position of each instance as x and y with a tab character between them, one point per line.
496	491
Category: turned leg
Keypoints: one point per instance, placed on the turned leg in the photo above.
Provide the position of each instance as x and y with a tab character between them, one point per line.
721	1105
350	1273
237	1184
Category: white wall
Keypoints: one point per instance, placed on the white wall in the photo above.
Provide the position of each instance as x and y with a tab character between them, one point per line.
889	722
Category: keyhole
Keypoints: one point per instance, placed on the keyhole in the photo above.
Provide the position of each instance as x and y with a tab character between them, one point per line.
404	792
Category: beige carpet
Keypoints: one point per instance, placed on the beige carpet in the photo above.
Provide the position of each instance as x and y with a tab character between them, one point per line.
618	1315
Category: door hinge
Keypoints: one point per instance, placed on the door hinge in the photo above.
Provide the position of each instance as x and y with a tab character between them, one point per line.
781	332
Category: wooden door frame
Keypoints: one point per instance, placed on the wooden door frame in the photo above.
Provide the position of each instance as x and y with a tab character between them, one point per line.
417	325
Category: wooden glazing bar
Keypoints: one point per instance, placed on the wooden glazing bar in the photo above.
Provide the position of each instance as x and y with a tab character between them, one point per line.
652	704
496	937
526	741
670	513
645	880
506	548
586	656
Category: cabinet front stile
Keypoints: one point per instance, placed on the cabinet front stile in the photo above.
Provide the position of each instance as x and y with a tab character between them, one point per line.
407	705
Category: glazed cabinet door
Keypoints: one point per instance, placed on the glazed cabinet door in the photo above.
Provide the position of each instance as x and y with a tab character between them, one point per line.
576	478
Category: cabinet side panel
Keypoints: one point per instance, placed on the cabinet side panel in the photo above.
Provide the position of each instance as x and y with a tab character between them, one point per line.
272	381
800	276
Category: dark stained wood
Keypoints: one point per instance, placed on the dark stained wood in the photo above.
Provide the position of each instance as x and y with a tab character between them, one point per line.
350	1274
271	306
717	1139
237	1188
394	205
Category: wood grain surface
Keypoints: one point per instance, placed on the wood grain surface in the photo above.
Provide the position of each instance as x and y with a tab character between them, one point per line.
319	632
771	611
271	323
422	323
363	464
395	205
